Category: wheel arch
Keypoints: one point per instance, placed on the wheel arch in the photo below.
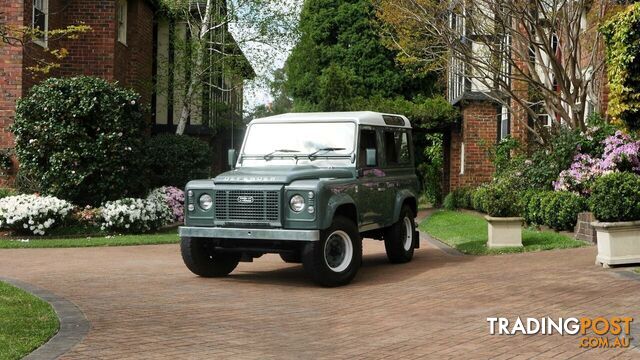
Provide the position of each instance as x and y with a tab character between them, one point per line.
340	204
405	197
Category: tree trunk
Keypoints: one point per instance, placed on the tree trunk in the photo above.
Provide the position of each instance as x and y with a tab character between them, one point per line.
205	25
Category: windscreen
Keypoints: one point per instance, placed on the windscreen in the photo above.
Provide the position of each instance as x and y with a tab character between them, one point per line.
300	138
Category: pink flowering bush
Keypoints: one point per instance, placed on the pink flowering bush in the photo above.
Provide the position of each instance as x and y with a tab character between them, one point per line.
173	198
621	153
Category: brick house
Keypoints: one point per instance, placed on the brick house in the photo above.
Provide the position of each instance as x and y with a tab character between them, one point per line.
124	44
485	121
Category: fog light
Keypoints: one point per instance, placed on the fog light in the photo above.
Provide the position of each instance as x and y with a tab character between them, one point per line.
310	194
190	193
311	210
191	207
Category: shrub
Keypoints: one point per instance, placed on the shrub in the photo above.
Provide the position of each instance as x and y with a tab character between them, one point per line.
620	153
500	154
173	160
173	198
525	198
533	213
616	197
5	192
430	167
500	200
33	214
478	198
5	160
450	201
134	215
81	139
464	198
560	209
87	216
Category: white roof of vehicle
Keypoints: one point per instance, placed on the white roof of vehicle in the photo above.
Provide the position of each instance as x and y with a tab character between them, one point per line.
360	117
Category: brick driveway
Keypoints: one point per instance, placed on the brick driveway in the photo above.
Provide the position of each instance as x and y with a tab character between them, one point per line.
143	303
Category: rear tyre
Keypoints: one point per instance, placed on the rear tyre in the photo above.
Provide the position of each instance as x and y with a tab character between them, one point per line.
398	238
202	259
334	260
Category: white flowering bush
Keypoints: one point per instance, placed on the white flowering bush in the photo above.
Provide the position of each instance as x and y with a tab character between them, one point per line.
33	214
135	215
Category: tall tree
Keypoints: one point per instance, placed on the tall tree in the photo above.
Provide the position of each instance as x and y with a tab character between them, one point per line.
209	46
340	57
532	56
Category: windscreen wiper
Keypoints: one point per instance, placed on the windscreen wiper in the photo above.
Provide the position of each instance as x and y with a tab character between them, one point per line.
314	154
269	156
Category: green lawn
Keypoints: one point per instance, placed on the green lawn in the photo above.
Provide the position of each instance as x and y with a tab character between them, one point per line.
165	237
468	233
26	322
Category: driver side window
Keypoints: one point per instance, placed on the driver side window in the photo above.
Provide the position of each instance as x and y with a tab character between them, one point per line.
368	140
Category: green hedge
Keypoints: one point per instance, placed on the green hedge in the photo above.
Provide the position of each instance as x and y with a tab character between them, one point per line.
616	197
557	209
81	139
173	160
458	199
560	209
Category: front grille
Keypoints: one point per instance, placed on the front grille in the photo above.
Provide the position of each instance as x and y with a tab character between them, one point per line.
245	206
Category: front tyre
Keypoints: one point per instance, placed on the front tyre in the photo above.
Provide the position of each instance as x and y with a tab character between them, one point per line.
398	238
202	259
336	258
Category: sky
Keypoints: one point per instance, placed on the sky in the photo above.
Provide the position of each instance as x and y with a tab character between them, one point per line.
264	58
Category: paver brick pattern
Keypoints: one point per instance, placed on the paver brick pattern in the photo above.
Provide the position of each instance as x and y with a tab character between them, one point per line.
144	304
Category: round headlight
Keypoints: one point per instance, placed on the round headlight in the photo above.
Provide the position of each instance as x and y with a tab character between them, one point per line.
296	203
205	201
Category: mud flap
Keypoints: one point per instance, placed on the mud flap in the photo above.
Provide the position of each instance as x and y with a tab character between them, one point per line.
416	239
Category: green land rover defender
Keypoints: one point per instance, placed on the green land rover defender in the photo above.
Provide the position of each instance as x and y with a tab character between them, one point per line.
309	187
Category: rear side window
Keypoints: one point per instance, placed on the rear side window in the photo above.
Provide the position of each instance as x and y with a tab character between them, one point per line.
396	144
367	141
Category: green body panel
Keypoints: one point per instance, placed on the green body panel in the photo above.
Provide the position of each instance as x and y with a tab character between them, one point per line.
377	193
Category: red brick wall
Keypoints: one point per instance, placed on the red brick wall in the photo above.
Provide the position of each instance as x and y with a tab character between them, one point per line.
133	65
97	52
479	133
11	14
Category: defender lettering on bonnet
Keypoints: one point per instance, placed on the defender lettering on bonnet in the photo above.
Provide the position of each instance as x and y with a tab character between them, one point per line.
308	187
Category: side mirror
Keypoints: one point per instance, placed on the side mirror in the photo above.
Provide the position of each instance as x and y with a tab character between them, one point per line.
231	158
371	158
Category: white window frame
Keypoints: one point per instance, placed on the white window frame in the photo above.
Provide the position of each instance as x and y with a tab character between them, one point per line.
504	117
122	8
45	9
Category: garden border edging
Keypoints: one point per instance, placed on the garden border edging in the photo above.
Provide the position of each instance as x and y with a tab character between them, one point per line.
74	325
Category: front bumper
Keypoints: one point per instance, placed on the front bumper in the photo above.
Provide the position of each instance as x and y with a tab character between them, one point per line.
257	234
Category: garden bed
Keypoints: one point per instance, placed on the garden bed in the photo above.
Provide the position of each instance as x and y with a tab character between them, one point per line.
26	322
467	232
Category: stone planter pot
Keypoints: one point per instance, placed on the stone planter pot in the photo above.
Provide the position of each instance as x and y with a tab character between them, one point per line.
618	242
504	231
